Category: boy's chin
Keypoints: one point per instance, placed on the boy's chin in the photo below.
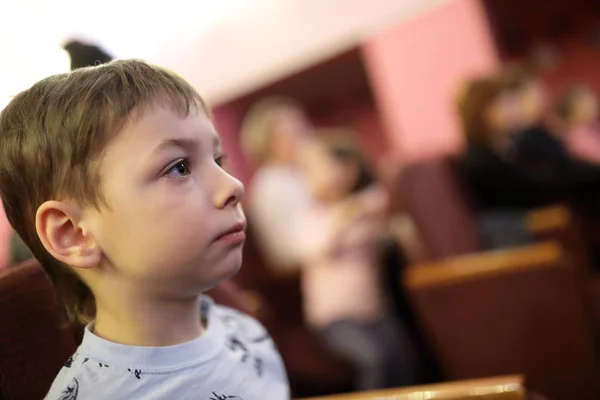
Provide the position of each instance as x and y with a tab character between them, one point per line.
231	270
223	272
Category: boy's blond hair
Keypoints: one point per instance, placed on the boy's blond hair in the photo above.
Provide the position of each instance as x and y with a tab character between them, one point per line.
52	137
258	123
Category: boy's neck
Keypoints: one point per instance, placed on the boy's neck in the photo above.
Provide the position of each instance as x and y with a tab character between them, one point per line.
156	323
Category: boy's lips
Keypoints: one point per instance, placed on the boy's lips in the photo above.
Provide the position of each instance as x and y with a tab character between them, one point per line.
235	235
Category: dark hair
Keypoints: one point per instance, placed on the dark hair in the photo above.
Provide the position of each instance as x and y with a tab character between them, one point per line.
257	124
52	136
85	55
340	144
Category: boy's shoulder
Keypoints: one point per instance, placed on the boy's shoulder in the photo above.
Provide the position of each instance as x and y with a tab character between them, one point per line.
236	356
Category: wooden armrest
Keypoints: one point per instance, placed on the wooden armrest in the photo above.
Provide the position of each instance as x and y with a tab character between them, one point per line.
560	224
498	388
479	265
548	220
504	312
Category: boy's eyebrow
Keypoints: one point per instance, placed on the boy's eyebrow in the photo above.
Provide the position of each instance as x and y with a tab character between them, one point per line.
182	143
186	144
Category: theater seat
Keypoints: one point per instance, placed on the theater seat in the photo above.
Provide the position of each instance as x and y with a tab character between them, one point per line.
432	194
517	311
500	388
35	340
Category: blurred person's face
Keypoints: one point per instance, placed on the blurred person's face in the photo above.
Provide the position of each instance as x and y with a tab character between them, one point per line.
532	103
329	179
290	128
503	115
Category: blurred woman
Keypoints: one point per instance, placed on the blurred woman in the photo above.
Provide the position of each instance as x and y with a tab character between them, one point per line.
344	300
500	188
273	132
540	147
489	116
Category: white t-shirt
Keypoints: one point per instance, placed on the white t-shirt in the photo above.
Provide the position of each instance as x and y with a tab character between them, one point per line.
234	359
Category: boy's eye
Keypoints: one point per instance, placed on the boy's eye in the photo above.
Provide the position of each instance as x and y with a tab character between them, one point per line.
221	160
179	170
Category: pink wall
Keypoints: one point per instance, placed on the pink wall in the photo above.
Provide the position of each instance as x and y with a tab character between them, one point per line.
416	69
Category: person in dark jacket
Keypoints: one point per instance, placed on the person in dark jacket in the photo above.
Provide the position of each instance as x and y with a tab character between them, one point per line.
515	160
490	166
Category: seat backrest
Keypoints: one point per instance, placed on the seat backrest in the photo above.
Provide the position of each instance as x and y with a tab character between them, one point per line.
35	340
561	224
497	388
510	311
432	194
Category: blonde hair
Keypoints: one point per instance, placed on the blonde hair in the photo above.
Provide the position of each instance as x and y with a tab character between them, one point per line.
52	137
257	125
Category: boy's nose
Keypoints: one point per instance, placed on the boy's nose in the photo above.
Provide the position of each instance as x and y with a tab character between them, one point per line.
231	193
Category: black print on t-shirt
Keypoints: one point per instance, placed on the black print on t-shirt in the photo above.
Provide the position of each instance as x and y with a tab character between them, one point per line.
71	392
136	372
231	321
234	344
258	366
222	397
69	362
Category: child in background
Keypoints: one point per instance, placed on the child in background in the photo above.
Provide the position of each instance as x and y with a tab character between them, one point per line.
577	110
342	289
113	176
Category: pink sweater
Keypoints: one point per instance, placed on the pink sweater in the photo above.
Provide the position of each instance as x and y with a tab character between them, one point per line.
341	278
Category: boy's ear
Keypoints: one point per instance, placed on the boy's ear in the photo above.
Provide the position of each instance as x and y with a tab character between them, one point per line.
58	225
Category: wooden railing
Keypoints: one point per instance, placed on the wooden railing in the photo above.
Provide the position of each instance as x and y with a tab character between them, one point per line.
498	388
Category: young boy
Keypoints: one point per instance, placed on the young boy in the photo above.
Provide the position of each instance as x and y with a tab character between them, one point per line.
113	177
